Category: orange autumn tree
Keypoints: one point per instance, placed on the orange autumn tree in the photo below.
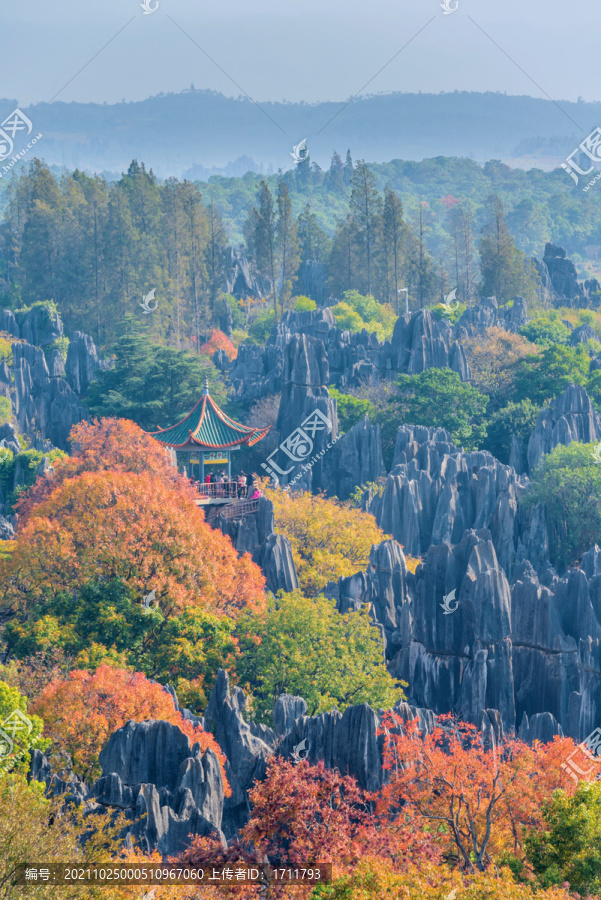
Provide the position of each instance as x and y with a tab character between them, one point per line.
477	800
133	527
111	444
219	341
82	711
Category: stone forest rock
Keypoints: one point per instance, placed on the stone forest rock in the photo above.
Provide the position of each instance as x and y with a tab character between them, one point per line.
45	391
42	403
419	342
255	534
570	417
246	753
435	492
82	363
356	458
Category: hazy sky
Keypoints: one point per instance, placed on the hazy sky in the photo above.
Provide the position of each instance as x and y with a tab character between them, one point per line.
298	49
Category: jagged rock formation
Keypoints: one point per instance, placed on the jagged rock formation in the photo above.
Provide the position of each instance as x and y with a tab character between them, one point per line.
486	314
356	458
570	417
43	402
255	534
312	277
39	326
529	649
307	419
83	361
560	280
166	789
419	342
582	334
43	390
241	282
274	557
8	438
170	791
435	492
247	748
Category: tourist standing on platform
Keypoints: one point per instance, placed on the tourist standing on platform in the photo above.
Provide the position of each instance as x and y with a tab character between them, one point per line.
249	484
241	484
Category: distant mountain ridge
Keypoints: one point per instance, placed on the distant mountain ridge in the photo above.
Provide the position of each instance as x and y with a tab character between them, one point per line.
207	130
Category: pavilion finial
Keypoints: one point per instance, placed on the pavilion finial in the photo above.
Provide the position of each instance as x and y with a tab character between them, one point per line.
205	393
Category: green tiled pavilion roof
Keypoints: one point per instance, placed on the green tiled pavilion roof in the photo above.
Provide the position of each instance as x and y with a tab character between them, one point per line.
208	427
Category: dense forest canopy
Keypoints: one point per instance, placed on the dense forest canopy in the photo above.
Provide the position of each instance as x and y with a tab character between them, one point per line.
96	247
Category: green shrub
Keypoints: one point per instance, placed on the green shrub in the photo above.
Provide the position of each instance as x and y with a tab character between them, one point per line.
438	398
304	304
440	311
568	483
6	350
515	418
5	410
347	318
350	409
61	344
546	329
259	330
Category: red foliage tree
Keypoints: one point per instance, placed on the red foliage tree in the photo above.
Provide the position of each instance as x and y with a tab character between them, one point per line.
219	341
476	799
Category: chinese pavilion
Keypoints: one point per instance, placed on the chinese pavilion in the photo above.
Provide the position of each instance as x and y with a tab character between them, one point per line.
206	437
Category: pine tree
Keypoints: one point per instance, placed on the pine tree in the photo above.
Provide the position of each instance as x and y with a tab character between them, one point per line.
365	206
505	269
344	258
314	242
348	168
287	243
260	237
216	260
336	172
393	231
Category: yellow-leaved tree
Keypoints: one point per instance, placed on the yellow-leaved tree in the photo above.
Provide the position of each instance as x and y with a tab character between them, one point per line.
329	540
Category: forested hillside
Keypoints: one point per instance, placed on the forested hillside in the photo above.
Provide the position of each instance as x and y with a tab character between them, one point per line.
209	129
299	534
97	248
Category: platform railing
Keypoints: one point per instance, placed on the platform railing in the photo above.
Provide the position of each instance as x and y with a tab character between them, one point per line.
227	490
236	510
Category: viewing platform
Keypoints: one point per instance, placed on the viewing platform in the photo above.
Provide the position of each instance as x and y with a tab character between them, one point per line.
202	443
216	493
